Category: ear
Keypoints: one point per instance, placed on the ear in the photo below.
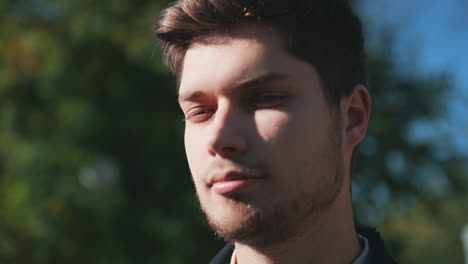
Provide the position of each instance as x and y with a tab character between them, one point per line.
356	109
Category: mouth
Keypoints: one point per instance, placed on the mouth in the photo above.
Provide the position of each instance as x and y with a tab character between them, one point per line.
229	183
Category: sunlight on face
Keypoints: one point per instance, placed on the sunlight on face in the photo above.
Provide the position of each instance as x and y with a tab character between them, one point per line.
258	115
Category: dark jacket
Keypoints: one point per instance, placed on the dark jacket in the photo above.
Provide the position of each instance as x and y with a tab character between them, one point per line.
378	253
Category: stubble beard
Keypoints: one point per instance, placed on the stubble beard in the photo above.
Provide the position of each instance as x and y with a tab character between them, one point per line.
267	226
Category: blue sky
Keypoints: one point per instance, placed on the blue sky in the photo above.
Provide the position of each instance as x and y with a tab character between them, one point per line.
430	37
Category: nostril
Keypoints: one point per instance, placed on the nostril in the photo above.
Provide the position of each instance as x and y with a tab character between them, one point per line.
229	149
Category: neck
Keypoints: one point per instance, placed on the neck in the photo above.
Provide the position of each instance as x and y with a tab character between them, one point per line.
331	238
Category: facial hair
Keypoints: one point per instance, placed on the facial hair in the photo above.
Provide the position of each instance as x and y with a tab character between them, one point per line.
264	227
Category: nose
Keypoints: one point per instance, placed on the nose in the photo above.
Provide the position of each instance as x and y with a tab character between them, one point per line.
228	132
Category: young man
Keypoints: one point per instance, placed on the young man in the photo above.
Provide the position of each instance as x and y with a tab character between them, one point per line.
274	97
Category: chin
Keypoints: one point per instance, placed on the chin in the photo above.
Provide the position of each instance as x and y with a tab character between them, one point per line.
249	225
265	225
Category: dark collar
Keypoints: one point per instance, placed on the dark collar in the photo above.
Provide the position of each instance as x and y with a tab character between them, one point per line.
224	256
378	253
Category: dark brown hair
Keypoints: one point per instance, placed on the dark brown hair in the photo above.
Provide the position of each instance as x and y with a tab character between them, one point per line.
325	33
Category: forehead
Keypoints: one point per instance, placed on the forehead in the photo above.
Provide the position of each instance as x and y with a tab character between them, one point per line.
239	55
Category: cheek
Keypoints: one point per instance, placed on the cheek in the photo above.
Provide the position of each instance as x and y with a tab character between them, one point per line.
272	125
286	129
193	148
296	145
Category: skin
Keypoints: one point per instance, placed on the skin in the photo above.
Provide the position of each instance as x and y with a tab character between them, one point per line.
251	107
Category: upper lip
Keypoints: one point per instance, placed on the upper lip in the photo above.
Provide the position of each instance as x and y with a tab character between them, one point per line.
233	175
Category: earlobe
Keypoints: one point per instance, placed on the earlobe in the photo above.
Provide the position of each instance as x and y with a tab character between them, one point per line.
357	111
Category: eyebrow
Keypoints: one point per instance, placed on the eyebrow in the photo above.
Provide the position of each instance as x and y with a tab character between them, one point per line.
243	84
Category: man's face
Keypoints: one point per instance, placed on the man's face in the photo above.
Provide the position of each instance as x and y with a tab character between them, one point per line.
263	146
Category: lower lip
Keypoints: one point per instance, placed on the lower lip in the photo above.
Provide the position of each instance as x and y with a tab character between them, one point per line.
232	186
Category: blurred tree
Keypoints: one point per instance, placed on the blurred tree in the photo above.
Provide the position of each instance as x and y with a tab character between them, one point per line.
92	164
407	180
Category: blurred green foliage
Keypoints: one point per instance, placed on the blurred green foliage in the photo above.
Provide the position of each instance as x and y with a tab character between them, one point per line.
92	164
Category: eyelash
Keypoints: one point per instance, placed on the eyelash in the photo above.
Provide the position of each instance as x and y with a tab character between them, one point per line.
269	100
199	114
260	101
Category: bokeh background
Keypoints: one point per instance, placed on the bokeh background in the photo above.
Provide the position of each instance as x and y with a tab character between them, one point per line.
92	165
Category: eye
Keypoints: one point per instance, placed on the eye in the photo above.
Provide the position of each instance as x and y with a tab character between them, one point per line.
199	114
269	100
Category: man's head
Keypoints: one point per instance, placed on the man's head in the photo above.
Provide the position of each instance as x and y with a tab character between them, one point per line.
274	101
325	33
